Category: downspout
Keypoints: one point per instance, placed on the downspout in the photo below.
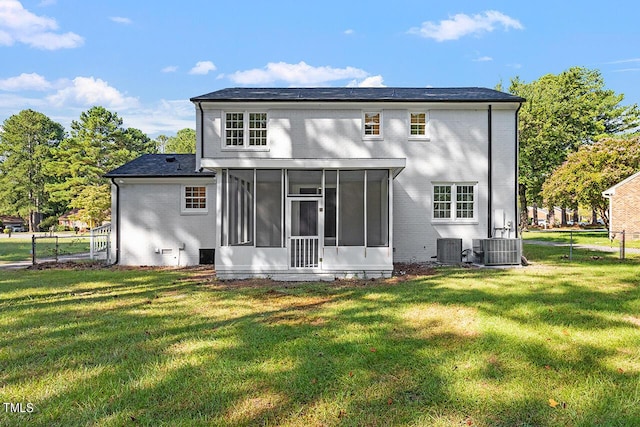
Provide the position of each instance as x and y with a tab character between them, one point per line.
117	259
490	176
516	221
199	158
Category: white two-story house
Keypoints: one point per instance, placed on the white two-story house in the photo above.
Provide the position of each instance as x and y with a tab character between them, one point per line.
318	183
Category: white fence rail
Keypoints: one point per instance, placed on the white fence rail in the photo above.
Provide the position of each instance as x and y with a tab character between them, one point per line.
99	242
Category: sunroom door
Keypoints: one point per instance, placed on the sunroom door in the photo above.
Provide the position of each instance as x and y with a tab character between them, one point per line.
304	232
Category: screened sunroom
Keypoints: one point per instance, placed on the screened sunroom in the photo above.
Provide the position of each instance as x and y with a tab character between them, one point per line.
321	221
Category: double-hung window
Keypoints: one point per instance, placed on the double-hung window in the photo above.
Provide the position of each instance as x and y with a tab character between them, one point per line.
455	202
194	199
245	129
418	121
372	125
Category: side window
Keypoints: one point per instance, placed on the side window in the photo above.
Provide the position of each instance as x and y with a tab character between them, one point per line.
442	201
194	199
454	202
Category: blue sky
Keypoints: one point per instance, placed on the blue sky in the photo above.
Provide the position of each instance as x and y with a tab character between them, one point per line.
144	59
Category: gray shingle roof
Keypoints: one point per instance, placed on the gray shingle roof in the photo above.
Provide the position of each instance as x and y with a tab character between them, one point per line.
159	165
345	94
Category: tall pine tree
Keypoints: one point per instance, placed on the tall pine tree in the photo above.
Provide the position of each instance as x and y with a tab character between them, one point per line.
97	144
27	142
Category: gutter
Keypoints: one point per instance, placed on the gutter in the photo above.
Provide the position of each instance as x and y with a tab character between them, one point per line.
117	259
201	136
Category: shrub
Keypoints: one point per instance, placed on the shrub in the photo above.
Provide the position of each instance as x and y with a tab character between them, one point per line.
47	223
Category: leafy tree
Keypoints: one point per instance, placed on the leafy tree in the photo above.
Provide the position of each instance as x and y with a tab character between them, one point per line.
582	178
27	140
97	144
161	143
562	113
183	143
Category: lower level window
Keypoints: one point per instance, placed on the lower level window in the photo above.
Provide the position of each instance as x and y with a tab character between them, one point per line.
454	201
194	199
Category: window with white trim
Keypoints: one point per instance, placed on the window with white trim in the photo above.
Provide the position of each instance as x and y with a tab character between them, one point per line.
372	124
245	130
194	199
258	129
454	201
418	124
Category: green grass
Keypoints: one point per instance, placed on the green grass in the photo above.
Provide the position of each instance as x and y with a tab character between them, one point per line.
19	248
598	238
481	347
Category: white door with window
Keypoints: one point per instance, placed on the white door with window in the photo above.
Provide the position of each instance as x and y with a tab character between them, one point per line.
303	232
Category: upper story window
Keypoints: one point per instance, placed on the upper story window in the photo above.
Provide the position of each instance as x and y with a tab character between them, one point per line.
372	125
454	202
418	124
194	199
245	129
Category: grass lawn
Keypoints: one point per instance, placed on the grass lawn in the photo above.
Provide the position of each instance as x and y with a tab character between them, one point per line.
555	343
581	237
18	248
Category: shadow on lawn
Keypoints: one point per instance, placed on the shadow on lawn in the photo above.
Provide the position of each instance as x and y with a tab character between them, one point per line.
159	350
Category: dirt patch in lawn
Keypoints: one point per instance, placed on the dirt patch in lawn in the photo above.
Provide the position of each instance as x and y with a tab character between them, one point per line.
68	265
205	275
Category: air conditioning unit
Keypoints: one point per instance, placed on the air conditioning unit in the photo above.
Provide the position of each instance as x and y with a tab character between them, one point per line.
497	251
449	251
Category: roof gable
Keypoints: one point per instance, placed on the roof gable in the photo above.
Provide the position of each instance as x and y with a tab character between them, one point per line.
346	94
612	190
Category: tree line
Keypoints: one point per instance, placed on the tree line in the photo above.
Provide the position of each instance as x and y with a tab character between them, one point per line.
576	140
46	171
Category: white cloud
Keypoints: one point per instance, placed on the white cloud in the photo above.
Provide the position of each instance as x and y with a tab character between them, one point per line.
624	61
64	100
626	70
18	25
89	91
462	25
349	32
483	59
11	103
296	74
170	69
121	20
203	67
373	81
165	117
45	3
24	81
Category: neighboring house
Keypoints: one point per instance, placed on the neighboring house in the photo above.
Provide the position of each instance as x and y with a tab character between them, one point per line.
15	222
317	183
624	207
69	220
